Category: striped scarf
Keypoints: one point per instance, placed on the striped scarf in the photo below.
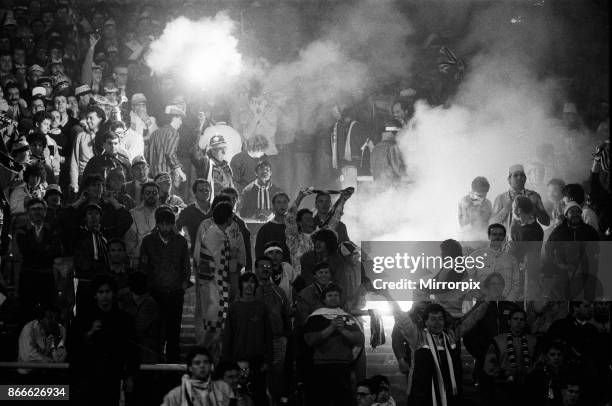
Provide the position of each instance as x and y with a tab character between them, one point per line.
222	279
512	351
439	377
263	196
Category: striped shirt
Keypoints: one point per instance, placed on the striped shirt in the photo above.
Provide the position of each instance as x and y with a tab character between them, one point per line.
162	150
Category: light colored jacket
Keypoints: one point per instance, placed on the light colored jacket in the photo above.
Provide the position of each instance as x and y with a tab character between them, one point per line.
82	152
143	224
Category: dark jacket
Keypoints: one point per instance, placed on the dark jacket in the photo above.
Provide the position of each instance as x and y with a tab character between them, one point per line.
38	253
243	169
103	164
165	264
249	199
247	334
493	323
577	247
271	231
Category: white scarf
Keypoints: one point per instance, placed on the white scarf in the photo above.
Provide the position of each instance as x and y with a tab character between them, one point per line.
191	386
347	144
263	196
434	353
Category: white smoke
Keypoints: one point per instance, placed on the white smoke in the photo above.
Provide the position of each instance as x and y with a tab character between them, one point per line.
202	54
502	112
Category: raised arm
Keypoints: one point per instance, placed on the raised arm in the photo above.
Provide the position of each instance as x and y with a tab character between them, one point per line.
86	75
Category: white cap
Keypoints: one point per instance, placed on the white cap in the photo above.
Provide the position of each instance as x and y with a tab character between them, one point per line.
39	91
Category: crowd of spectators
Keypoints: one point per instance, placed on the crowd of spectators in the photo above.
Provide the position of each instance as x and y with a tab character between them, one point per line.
121	197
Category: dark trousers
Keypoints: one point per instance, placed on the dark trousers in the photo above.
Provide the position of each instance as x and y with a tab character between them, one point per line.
171	310
331	384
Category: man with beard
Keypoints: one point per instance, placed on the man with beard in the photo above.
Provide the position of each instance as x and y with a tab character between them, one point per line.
143	217
193	215
256	196
210	164
572	252
502	206
164	258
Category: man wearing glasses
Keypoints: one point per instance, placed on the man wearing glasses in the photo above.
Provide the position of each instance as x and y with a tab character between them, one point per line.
365	393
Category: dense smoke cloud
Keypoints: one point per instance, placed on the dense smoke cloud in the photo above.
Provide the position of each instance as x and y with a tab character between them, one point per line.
201	54
502	114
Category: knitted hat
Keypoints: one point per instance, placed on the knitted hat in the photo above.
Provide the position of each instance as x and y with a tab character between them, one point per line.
39	91
174	110
139	160
36	68
138	98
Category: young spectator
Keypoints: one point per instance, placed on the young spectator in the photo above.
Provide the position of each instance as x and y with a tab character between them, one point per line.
140	175
274	230
246	234
571	252
42	339
103	352
115	186
109	159
162	147
347	137
554	203
386	160
39	245
53	198
166	197
198	388
333	334
575	193
247	335
141	122
365	393
502	206
83	150
164	258
244	163
282	274
146	314
498	260
45	148
229	372
196	212
143	217
323	207
119	269
381	391
256	196
32	186
278	312
509	359
218	259
542	381
436	370
475	209
210	164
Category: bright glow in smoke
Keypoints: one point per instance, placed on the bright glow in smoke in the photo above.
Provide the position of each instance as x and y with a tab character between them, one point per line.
200	53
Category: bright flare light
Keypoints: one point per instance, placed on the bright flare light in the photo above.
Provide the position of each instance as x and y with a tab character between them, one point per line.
201	53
